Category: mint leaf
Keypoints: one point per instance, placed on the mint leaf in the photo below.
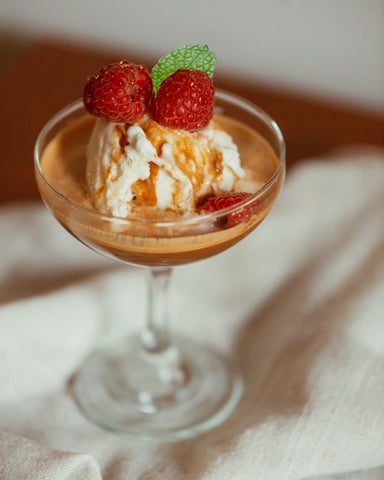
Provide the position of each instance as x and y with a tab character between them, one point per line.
194	57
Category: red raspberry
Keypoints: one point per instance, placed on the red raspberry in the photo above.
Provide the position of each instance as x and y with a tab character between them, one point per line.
121	92
220	202
185	100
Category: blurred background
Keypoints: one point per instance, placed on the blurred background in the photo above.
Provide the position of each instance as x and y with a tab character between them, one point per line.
317	67
330	48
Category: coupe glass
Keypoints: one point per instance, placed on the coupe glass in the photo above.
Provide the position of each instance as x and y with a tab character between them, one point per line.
156	385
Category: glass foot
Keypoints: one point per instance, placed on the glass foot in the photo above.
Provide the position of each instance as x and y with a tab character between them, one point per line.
169	395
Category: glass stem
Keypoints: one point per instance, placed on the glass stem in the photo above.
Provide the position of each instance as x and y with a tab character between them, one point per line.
155	337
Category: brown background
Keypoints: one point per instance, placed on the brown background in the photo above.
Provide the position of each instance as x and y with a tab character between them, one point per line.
47	76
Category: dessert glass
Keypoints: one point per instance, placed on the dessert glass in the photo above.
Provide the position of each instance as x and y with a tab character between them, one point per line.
156	385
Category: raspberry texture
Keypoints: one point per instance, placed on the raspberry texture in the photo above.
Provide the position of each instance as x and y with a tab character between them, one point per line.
121	92
185	100
242	214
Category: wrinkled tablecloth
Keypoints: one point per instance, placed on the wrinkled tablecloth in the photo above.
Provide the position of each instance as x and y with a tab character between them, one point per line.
299	305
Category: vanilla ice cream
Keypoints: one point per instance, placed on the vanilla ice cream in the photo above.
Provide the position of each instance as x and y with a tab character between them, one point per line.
147	164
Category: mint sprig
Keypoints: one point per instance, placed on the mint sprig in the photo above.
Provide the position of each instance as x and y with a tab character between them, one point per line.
194	57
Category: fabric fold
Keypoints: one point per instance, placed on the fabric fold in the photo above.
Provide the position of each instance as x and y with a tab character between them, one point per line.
23	459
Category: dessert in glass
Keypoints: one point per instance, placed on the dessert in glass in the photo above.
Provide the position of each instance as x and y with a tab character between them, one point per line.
159	190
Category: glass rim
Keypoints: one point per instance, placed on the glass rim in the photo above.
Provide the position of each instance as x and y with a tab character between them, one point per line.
195	219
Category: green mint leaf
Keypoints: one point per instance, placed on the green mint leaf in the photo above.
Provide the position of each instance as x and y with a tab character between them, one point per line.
194	57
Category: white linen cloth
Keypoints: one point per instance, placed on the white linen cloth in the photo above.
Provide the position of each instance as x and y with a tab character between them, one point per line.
299	304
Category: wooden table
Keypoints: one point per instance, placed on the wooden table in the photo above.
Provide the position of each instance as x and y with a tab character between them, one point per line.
50	75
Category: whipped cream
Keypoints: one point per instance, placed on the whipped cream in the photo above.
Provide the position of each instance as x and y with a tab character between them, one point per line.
146	164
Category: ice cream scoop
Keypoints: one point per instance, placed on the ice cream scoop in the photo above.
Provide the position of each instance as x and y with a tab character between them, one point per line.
146	164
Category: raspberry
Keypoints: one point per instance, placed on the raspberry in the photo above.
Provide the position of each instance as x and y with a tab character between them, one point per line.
242	214
185	100
121	92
